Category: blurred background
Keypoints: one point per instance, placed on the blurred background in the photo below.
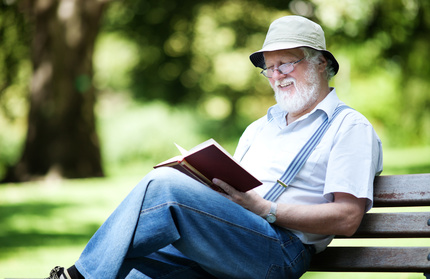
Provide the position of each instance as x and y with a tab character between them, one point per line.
93	93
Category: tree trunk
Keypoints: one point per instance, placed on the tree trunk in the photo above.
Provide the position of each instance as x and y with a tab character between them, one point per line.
61	137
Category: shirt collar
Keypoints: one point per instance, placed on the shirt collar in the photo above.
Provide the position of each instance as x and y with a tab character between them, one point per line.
328	105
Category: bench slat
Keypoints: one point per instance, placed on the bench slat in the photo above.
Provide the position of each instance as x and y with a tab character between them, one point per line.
394	225
372	259
389	191
402	190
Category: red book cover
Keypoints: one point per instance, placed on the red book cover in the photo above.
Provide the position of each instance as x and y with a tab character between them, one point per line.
209	160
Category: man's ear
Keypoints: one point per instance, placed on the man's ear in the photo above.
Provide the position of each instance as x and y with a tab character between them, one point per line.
322	64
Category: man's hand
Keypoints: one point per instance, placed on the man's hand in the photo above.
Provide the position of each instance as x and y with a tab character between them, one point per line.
341	217
249	200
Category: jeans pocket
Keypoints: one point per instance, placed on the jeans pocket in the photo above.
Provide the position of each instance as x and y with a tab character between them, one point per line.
297	258
290	270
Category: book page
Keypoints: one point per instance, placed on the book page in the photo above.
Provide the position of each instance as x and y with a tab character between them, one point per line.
206	144
183	151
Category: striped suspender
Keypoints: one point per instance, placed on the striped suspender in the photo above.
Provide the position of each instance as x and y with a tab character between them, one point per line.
301	158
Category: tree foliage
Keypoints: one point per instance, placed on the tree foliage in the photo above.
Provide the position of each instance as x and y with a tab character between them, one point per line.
15	70
387	44
196	54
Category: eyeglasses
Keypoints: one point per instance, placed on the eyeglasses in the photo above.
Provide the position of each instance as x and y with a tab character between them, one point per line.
283	69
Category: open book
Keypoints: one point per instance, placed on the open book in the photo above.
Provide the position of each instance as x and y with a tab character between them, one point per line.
209	160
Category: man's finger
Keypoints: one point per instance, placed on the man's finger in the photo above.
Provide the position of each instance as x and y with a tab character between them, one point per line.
223	185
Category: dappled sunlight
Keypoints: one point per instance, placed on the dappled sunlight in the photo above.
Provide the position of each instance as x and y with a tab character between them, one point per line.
346	15
179	72
176	45
113	59
56	222
211	38
19	262
233	69
143	135
217	107
41	76
43	225
254	107
68	16
170	70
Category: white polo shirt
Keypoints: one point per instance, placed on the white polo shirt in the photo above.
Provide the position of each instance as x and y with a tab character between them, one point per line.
346	160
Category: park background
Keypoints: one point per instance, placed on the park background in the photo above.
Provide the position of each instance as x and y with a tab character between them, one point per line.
93	93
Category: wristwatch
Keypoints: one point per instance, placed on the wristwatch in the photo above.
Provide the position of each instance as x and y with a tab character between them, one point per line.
271	217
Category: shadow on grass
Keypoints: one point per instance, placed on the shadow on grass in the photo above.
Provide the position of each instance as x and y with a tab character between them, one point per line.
38	224
34	239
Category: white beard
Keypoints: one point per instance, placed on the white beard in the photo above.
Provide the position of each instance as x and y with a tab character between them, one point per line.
304	96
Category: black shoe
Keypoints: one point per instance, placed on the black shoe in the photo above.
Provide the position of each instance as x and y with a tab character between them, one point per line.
59	272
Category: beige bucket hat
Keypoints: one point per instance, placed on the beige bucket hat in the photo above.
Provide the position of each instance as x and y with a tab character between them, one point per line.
292	32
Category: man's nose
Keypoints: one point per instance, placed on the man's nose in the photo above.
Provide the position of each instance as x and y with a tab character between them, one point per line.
277	74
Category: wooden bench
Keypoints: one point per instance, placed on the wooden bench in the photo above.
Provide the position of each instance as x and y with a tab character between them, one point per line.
389	191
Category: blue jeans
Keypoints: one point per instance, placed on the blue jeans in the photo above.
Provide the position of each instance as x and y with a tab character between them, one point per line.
171	226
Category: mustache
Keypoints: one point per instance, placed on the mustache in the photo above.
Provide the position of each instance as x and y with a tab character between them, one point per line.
285	81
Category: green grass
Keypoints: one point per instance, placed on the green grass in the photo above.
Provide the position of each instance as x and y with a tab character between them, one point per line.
48	223
44	224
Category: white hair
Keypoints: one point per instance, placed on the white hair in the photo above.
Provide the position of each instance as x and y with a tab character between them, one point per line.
313	57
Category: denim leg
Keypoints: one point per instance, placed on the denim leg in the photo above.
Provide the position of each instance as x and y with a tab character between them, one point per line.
220	236
105	252
166	263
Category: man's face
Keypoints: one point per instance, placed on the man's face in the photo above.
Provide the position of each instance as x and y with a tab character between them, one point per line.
298	90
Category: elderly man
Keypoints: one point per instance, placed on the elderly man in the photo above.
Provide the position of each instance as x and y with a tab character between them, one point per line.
316	157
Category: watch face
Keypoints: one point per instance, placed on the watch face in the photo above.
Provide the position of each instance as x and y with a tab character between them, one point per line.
271	218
